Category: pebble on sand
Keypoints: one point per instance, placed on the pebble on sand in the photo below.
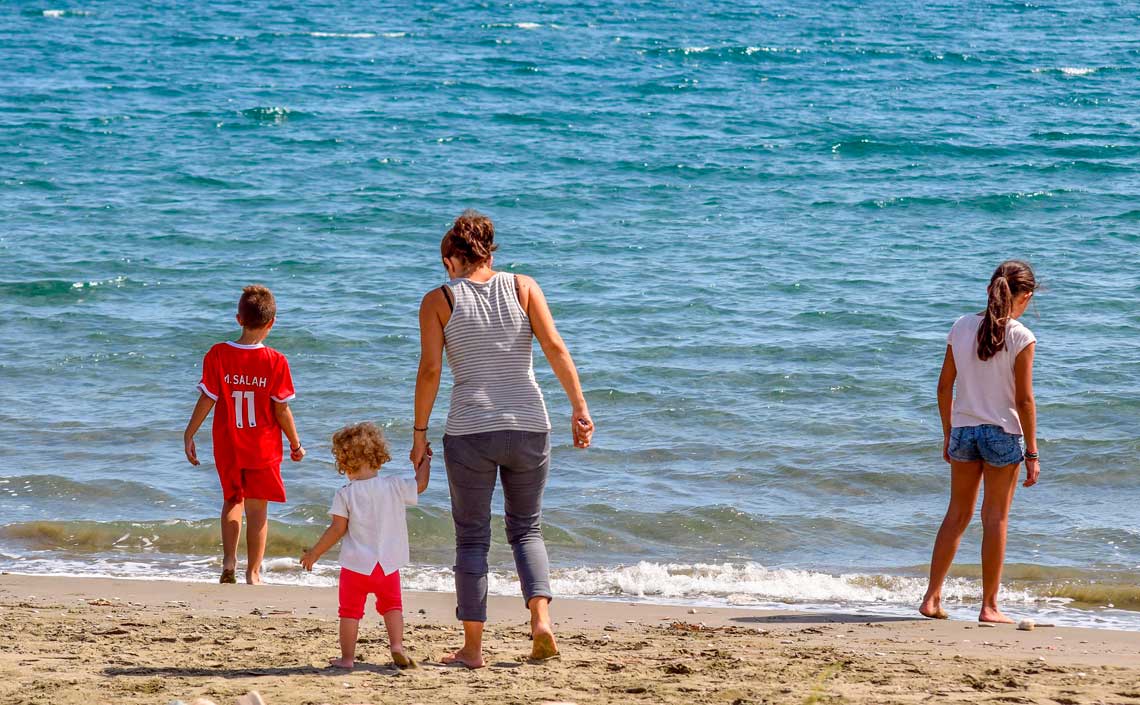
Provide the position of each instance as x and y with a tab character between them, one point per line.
1026	625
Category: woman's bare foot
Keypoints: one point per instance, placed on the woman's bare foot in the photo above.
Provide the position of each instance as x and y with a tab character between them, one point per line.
993	615
543	646
345	663
253	577
932	607
462	658
401	659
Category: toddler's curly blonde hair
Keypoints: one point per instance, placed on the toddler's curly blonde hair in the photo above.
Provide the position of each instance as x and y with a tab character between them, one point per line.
359	447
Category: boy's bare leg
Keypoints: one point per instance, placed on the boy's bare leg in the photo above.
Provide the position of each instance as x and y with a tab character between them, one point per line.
394	623
256	531
348	632
231	532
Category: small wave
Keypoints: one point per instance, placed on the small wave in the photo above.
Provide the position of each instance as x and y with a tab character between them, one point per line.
271	114
56	14
1069	70
344	35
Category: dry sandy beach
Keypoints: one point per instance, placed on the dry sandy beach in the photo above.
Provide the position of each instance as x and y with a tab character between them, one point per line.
71	640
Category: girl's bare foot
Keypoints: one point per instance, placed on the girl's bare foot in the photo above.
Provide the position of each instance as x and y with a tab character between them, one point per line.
543	646
462	658
228	577
345	663
932	607
253	577
401	659
994	616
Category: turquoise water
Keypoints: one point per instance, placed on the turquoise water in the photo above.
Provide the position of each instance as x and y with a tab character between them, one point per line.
755	224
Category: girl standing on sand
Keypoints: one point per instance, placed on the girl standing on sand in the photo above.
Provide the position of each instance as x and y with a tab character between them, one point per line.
497	423
989	358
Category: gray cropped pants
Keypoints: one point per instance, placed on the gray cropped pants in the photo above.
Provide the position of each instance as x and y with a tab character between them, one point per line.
474	462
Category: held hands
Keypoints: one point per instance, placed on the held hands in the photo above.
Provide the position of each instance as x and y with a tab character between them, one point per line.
582	426
308	560
423	470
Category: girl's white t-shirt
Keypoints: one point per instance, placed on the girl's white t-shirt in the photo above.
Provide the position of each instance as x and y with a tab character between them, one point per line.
377	522
985	390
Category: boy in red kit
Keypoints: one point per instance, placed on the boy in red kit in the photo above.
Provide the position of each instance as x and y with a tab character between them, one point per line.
254	387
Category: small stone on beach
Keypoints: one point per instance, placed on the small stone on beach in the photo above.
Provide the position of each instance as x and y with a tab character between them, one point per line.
1026	625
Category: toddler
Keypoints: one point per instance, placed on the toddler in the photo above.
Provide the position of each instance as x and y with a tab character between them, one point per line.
369	514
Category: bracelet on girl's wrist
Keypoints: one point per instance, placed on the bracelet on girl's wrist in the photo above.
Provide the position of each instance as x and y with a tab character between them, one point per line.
1032	456
417	429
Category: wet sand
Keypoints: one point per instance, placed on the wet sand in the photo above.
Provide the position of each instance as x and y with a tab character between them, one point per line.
86	640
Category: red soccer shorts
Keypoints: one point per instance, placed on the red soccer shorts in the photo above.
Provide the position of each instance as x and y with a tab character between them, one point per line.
241	484
356	587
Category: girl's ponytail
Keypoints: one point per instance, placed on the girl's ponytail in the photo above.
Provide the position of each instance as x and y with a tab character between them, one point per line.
1009	279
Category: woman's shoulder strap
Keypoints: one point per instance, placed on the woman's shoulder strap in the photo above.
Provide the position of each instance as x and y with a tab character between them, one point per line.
449	296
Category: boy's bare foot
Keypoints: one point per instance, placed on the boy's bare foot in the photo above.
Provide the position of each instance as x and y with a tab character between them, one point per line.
994	616
253	577
345	663
462	658
402	660
932	607
228	577
543	646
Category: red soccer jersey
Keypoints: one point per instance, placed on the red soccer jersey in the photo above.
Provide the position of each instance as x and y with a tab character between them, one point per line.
244	380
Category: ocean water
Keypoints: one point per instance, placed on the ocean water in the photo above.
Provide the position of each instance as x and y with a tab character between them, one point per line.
755	223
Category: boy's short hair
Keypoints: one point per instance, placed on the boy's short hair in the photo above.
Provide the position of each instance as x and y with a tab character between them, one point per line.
256	307
359	447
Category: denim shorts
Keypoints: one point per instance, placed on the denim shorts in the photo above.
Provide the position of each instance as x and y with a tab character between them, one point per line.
992	444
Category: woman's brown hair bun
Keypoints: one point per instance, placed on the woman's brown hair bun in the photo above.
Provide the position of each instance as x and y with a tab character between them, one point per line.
471	238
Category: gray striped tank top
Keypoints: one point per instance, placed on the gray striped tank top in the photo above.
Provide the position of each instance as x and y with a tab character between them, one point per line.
489	346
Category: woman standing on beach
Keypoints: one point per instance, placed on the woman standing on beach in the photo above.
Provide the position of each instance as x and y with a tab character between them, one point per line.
990	358
497	423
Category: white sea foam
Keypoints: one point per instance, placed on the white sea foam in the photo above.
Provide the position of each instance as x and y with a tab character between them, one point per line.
746	585
528	25
395	35
55	14
1070	70
344	35
694	50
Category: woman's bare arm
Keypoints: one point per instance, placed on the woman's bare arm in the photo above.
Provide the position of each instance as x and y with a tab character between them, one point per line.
557	354
434	313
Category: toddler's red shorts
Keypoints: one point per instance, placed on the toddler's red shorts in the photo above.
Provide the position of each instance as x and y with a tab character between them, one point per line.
356	587
239	484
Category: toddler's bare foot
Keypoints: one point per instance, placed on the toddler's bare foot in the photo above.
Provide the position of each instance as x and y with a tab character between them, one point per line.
401	659
932	607
543	646
253	577
345	663
993	615
462	658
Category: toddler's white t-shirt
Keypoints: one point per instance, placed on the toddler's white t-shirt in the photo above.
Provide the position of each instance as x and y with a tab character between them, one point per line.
377	522
985	390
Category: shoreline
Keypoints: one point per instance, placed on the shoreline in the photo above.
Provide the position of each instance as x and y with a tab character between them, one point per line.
139	641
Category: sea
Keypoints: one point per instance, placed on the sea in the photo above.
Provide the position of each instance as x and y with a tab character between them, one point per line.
755	223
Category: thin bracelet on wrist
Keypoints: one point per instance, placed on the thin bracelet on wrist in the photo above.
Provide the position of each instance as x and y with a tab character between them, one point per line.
417	429
294	450
1032	455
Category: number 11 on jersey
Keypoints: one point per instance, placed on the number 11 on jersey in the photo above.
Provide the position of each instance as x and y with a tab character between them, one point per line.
251	416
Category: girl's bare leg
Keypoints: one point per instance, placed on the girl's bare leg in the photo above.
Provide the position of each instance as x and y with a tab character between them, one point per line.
1000	483
965	480
394	623
349	628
